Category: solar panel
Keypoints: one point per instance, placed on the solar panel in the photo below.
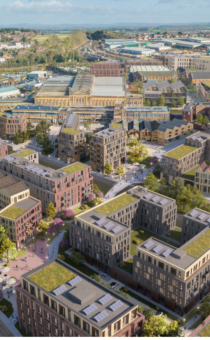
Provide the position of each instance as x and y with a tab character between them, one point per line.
101	221
193	137
29	167
60	290
167	252
101	316
9	158
148	244
108	225
116	229
200	139
163	201
90	309
202	216
116	305
105	299
74	281
34	169
208	220
157	248
45	174
148	195
193	213
156	198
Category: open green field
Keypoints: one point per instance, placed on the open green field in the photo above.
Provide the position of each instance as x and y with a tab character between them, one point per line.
43	38
175	234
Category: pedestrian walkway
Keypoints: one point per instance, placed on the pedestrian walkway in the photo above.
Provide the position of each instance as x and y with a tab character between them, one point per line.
10	325
54	246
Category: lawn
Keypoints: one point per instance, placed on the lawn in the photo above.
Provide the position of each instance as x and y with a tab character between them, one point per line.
13	212
116	204
199	246
175	234
22	330
116	126
136	235
25	153
10	152
52	277
43	38
77	210
102	186
8	304
74	167
180	152
206	82
128	266
70	131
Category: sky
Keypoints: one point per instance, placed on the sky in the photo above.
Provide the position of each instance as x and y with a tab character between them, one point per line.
103	11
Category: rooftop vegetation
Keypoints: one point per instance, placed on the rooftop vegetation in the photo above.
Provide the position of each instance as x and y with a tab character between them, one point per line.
199	246
52	277
207	83
74	167
181	151
13	212
25	153
116	204
116	126
71	131
205	332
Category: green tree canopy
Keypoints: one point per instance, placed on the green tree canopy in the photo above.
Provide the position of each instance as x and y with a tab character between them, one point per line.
77	258
157	326
108	169
180	101
161	101
50	211
120	170
88	139
87	124
151	182
184	197
43	226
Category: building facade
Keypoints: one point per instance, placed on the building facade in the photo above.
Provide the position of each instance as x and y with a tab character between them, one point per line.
86	309
10	125
72	141
204	90
144	73
196	77
185	61
108	146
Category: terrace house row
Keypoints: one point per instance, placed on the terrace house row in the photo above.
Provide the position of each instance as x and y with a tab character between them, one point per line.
102	234
73	305
176	277
186	157
64	187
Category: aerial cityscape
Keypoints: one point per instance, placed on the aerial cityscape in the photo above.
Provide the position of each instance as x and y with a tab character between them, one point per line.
104	169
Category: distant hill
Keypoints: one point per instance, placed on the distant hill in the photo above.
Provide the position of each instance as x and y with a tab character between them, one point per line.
101	35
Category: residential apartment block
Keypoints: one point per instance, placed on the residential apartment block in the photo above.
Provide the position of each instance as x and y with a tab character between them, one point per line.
190	111
65	187
10	125
72	141
202	178
185	61
108	146
143	73
186	157
103	234
19	211
73	306
177	277
170	92
204	90
193	223
198	76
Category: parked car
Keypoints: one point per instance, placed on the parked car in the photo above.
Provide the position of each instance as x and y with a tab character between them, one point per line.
113	284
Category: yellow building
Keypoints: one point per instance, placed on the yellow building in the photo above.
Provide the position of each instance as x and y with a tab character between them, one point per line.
86	90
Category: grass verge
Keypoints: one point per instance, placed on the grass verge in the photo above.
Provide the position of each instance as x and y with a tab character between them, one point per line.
9	306
196	324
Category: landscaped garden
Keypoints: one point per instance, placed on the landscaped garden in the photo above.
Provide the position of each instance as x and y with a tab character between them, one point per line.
71	131
205	332
116	126
52	277
6	307
13	212
199	246
74	167
25	153
116	204
175	234
181	151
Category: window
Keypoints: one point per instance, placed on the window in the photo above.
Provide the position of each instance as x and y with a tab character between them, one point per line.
86	326
125	320
109	331
161	265
117	326
173	271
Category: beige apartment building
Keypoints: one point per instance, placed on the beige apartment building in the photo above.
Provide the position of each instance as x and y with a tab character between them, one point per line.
108	146
172	130
10	125
202	178
186	61
71	142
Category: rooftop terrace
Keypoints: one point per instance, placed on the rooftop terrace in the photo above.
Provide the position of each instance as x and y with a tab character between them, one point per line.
74	167
180	152
25	153
70	131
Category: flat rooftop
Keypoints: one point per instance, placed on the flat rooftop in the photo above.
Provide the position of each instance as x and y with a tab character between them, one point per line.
19	208
180	152
138	49
57	86
25	153
108	86
36	108
149	68
70	125
70	169
109	132
116	204
79	294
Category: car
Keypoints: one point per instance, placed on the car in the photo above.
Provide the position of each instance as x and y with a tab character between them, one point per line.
113	284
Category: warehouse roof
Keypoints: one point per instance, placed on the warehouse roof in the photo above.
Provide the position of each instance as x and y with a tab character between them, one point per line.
171	124
200	75
8	89
108	86
149	69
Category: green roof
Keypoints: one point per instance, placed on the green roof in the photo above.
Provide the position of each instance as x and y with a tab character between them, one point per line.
180	152
52	277
199	246
25	153
74	167
70	131
205	332
116	204
116	126
207	83
13	212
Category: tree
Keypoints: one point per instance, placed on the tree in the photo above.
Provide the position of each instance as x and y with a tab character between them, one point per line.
205	120
147	312
95	188
43	128
125	76
198	200
30	129
174	188
182	78
192	68
161	101
108	169
151	182
157	326
154	103
77	258
148	102
47	147
88	139
68	213
6	247
180	101
139	83
50	211
204	309
180	33
100	194
199	119
120	170
95	201
3	232
91	197
173	103
42	226
87	124
184	197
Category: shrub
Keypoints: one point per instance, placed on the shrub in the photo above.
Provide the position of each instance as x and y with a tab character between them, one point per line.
64	244
157	308
61	257
141	231
100	194
68	213
126	290
95	202
4	309
83	207
66	234
136	241
121	264
55	226
95	188
91	197
6	264
14	277
169	234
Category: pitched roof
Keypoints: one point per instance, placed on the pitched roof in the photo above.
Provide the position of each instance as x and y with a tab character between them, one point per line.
149	84
163	84
171	124
6	181
16	188
203	166
151	125
177	85
200	75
